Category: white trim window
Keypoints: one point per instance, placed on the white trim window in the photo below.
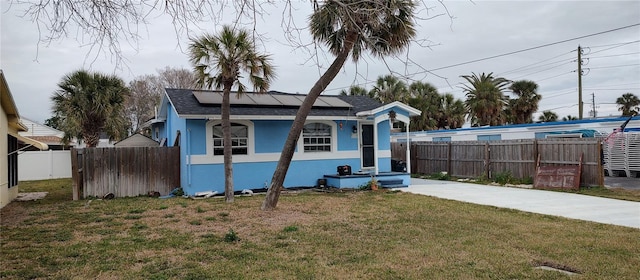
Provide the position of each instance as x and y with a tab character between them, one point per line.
239	139
317	137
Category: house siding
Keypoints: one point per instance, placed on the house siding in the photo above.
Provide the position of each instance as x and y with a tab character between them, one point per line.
7	191
210	177
197	137
270	135
347	140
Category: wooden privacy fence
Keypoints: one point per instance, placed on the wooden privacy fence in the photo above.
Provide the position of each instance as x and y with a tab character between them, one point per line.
474	159
130	171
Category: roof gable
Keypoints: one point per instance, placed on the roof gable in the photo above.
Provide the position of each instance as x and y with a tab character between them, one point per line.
137	140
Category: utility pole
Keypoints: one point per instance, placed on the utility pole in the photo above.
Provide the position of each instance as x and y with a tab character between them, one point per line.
593	105
579	82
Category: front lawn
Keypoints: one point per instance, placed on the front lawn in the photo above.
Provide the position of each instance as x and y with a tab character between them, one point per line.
311	235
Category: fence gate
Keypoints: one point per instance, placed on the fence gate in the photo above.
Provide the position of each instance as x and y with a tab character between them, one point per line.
124	171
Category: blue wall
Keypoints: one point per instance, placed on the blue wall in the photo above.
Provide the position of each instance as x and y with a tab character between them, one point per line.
197	137
210	177
271	135
347	141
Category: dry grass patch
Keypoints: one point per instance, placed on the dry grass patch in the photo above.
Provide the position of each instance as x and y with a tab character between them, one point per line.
366	235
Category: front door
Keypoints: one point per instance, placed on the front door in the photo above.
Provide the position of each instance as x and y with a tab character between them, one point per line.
368	159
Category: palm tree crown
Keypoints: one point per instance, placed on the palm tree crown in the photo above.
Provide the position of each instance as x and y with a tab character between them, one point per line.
220	59
91	103
526	102
629	104
383	27
548	116
485	99
389	89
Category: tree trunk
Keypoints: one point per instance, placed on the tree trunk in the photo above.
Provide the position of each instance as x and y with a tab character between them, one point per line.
91	138
277	181
226	139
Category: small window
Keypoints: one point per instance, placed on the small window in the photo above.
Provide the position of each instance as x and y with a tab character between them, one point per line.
316	137
441	139
239	139
493	137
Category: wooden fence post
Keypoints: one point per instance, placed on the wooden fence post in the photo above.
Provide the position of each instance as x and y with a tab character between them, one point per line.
487	162
74	174
449	158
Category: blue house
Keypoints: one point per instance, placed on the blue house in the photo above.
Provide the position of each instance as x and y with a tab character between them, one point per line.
340	130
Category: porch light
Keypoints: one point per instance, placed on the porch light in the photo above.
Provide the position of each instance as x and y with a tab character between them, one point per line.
354	129
392	116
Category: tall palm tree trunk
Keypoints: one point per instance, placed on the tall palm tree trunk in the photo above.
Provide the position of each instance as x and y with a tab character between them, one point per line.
277	181
91	139
226	138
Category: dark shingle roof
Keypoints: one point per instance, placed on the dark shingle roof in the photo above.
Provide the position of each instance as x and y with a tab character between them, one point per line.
185	103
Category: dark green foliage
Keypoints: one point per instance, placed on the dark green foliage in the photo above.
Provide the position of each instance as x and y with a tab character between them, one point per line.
231	236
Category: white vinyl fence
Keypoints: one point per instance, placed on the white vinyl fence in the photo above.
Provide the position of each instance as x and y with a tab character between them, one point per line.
42	165
622	155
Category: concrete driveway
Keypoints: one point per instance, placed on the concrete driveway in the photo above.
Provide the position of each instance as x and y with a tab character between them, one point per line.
574	206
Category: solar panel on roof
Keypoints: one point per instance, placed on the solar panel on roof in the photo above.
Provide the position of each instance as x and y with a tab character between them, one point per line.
258	99
243	100
264	99
208	97
320	102
288	100
334	101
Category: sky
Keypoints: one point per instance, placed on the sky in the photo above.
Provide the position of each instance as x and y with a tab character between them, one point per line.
517	40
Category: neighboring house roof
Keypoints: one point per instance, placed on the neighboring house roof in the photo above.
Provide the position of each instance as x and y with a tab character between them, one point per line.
137	140
49	140
37	129
197	103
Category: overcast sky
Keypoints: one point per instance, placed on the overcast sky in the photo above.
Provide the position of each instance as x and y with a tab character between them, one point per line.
479	29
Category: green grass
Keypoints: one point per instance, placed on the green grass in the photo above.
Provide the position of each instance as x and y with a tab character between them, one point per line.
357	235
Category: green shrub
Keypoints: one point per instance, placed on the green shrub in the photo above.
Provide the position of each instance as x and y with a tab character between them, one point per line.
440	176
290	228
504	178
231	236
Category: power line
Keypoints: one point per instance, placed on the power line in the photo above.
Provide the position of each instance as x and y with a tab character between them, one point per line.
526	66
509	53
614	55
616	44
615	66
543	70
621	45
532	48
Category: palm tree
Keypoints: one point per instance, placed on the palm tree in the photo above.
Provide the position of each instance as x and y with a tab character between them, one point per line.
548	116
218	61
424	97
526	102
355	90
452	112
347	28
485	100
569	118
389	89
90	103
629	104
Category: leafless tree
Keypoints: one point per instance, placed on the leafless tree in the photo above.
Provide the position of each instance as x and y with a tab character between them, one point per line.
146	92
106	25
